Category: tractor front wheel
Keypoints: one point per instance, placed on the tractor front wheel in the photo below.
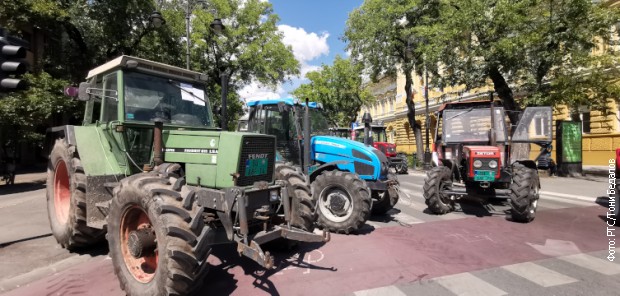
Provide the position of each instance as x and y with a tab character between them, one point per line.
386	200
343	201
66	198
438	180
304	215
158	240
524	193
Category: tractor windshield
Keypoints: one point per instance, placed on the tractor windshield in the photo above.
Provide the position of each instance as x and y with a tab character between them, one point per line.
472	125
148	97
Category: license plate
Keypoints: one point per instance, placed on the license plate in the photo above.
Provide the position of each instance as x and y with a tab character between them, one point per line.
255	167
484	175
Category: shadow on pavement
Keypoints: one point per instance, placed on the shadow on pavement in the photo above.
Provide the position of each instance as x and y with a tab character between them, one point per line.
22	187
221	278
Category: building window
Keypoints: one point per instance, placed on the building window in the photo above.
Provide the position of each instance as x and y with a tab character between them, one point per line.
540	126
585	122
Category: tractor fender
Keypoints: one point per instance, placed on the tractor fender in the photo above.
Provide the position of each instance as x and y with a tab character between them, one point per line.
58	132
327	166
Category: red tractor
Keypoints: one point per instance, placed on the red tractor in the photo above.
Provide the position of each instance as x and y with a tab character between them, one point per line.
471	157
379	140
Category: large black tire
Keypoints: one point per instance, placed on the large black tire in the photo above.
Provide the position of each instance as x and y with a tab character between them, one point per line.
66	198
524	193
350	189
384	201
178	263
402	167
304	215
437	179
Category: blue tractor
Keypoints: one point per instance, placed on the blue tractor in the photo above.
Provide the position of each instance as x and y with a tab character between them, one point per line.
348	179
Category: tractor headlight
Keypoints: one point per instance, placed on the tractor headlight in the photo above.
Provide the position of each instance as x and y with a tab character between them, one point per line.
493	164
477	163
274	196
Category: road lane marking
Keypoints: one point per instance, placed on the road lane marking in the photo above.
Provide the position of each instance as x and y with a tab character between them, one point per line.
578	197
389	290
540	275
375	224
466	284
565	200
592	263
406	219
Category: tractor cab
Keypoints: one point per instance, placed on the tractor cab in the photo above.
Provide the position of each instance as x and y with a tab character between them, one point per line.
379	140
340	132
282	119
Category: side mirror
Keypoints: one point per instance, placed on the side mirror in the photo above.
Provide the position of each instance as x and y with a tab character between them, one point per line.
83	94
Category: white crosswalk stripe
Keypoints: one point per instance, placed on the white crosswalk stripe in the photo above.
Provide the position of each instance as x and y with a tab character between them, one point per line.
592	263
572	196
383	291
566	200
466	284
540	275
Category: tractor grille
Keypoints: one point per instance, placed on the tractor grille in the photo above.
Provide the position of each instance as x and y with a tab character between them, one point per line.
256	145
485	164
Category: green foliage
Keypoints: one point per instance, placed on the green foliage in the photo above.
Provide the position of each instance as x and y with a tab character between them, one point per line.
85	34
339	88
544	47
27	114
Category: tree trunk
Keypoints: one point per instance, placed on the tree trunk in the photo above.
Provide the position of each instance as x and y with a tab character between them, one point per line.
518	151
417	128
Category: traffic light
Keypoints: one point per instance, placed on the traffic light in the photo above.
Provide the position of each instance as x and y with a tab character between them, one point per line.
12	63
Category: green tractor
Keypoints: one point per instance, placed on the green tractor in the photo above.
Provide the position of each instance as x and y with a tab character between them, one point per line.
149	167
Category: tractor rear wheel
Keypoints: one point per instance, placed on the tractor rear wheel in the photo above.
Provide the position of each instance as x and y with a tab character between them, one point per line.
438	179
343	201
66	198
158	240
524	193
386	200
304	215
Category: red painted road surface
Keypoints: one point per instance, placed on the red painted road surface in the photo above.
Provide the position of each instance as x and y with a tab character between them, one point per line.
385	256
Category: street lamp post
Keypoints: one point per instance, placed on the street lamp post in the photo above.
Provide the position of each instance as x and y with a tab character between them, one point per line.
427	153
188	14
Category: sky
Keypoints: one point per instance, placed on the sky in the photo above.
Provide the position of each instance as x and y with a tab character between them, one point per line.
313	28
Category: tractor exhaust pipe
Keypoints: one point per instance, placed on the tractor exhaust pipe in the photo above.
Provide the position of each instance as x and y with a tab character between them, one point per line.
492	136
306	164
367	119
158	151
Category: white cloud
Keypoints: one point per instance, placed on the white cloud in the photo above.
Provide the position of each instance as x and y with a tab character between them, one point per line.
306	46
255	91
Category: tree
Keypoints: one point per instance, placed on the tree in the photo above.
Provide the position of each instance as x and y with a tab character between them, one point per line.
520	43
250	48
339	88
382	36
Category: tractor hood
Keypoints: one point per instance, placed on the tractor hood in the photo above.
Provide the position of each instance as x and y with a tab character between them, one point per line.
363	160
212	158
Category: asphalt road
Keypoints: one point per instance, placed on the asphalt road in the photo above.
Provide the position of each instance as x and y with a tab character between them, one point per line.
473	251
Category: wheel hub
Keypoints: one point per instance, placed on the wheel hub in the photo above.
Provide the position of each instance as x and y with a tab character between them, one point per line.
337	202
141	242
